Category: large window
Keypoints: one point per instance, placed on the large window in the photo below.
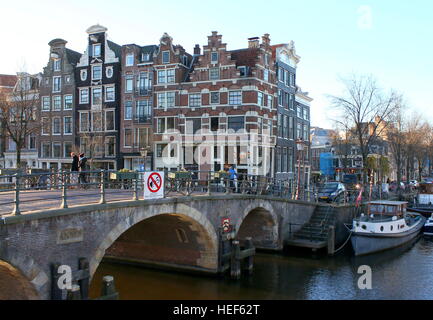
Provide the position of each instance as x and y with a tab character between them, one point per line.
129	59
32	141
260	99
56	125
110	146
109	94
97	72
56	84
166	76
57	103
97	121
166	99
214	73
84	96
57	64
109	120
96	96
127	137
236	123
129	83
214	124
45	103
45	126
235	97
57	150
270	98
143	110
195	100
214	57
299	131
97	50
67	147
46	149
161	76
128	110
161	150
160	125
67	102
170	75
84	121
67	125
144	83
166	57
193	125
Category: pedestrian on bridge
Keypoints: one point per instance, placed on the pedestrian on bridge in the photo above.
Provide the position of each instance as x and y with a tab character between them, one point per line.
83	168
74	168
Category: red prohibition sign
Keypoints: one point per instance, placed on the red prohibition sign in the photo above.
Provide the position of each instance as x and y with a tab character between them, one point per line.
154	182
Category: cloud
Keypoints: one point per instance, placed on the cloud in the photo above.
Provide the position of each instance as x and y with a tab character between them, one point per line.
365	17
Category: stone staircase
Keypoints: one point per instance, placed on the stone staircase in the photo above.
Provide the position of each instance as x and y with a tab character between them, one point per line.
314	234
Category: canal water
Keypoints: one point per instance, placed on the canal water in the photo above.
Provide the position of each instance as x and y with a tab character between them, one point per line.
401	273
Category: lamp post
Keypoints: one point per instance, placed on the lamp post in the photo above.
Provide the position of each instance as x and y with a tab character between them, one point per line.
143	152
300	153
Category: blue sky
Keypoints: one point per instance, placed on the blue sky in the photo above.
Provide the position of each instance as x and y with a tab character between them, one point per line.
390	39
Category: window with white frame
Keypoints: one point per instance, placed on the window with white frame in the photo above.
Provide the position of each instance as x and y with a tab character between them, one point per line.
97	50
260	99
214	73
67	99
96	96
291	101
281	74
109	120
67	149
109	94
109	71
236	123
110	146
129	83
45	103
129	59
145	57
161	103
280	97
215	97
32	141
235	98
161	76
195	100
144	82
166	57
97	72
84	122
56	125
57	64
57	84
57	103
84	96
299	111
128	110
67	125
160	125
170	98
170	75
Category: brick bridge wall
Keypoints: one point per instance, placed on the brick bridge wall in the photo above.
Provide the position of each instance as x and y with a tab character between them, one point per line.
147	230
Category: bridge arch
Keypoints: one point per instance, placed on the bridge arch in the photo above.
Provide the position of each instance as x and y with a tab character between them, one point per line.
178	222
15	285
259	222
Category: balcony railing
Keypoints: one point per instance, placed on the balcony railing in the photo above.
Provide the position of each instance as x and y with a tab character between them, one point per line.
143	119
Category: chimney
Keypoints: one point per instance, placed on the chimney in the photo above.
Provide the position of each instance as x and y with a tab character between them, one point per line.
197	50
266	39
253	42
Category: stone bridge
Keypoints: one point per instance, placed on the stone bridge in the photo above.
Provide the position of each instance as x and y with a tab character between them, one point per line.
181	232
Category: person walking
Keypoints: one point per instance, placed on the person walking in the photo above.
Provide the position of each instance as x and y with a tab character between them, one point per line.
233	177
83	168
74	168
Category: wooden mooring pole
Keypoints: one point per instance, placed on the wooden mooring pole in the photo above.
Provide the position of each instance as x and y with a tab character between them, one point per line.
235	263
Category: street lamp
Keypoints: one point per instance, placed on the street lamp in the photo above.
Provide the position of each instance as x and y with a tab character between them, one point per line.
300	153
143	152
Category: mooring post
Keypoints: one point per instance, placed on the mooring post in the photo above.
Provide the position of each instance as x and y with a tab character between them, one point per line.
249	261
73	293
108	291
235	264
16	210
331	240
102	192
64	204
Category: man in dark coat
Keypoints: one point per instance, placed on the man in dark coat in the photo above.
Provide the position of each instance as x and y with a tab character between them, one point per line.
83	167
74	168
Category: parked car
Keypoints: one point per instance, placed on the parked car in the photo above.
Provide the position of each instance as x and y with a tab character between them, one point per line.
427	180
331	192
414	183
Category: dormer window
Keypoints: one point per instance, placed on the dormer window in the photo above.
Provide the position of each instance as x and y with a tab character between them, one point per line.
145	57
97	50
129	59
166	57
214	57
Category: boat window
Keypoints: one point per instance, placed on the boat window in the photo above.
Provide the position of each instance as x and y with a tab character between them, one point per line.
381	228
391	209
364	227
392	228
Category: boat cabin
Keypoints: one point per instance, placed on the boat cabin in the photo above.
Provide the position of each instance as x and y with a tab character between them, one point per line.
426	188
387	208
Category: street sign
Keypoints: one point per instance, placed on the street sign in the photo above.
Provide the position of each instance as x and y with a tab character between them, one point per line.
225	222
153	185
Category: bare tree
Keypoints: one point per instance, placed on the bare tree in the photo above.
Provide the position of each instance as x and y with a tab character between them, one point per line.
18	112
396	137
365	109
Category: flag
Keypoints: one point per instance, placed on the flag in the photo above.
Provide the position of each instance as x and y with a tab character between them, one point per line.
359	198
